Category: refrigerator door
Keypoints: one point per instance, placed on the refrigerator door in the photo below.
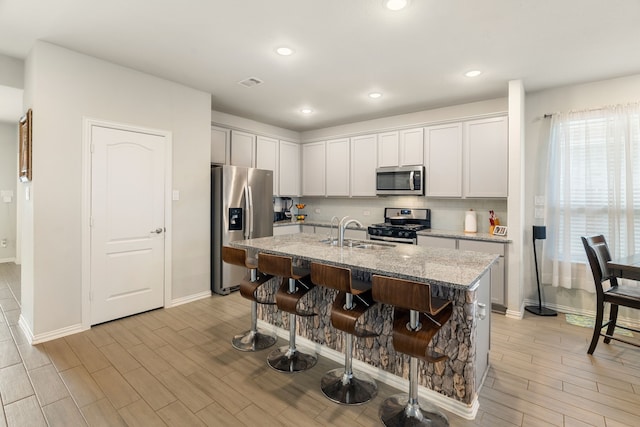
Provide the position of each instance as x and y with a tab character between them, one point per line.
260	220
241	208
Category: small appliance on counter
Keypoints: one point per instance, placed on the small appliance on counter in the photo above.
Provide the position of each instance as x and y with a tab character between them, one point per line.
401	225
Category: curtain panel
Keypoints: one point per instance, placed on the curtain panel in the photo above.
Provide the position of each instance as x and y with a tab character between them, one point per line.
593	187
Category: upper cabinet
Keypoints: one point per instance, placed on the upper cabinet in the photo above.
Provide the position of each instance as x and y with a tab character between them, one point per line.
220	140
364	160
337	167
401	148
289	165
313	169
411	147
443	160
267	154
243	149
467	159
486	144
388	149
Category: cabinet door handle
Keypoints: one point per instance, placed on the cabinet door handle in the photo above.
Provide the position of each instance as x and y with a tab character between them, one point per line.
482	311
157	230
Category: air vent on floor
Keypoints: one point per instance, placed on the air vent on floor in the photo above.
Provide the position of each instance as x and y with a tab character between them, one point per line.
250	82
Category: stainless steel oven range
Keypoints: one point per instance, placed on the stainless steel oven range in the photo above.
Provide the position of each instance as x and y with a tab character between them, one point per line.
401	225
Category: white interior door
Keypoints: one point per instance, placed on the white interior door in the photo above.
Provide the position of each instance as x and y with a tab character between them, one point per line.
127	223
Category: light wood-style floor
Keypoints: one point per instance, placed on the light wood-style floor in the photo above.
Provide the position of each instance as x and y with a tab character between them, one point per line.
176	367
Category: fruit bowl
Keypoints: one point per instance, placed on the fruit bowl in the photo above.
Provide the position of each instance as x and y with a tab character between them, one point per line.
301	217
300	205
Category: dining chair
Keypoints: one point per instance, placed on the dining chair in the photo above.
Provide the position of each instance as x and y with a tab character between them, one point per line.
616	295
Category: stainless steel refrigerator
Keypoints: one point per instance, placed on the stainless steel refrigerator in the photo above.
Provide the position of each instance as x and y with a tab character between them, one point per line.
241	208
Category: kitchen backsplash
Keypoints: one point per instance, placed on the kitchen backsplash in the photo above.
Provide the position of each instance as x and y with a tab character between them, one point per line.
446	214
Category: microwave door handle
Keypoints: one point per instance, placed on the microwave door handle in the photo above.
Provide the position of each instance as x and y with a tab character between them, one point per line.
411	184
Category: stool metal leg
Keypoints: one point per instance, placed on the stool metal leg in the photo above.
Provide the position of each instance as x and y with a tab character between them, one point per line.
287	358
405	410
252	340
341	385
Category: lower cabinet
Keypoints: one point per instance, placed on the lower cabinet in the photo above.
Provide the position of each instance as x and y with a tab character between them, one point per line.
498	270
281	230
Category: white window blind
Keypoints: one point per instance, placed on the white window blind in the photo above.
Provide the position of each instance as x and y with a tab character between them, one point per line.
593	187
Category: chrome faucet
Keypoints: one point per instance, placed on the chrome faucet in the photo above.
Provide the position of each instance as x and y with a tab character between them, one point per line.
344	223
331	228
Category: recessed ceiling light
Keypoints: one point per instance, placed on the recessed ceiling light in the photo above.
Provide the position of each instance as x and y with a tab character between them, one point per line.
306	110
395	4
473	73
284	51
375	95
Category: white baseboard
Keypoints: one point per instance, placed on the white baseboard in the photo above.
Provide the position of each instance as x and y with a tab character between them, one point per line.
48	336
463	410
184	300
582	312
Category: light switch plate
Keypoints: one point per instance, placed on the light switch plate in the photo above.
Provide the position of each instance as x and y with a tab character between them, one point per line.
539	200
539	214
175	195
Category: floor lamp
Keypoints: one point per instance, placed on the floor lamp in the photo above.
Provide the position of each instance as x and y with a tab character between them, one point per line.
539	233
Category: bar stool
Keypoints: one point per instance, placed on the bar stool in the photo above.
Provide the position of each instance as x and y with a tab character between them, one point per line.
295	285
417	317
341	385
251	340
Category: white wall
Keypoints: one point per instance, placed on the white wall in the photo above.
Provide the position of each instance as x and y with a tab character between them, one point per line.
575	97
8	181
62	87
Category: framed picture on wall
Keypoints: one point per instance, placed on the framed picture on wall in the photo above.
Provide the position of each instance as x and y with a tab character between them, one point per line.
24	173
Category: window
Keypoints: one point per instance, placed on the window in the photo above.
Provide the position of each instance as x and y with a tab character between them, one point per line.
593	185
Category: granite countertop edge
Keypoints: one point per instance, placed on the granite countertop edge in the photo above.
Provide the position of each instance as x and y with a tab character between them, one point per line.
444	267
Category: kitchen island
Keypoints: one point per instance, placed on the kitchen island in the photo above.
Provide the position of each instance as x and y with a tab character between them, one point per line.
460	276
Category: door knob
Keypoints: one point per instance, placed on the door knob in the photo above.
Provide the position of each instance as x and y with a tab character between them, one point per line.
157	230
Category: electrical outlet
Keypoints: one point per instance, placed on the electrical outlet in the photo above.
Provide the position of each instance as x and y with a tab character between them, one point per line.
316	210
539	214
3	243
539	200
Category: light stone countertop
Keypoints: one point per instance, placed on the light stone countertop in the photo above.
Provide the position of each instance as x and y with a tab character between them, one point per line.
485	237
445	267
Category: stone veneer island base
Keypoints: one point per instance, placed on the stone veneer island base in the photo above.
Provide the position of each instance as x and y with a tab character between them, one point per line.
459	276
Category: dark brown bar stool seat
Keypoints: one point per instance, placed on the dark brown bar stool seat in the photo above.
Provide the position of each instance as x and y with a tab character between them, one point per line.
417	317
251	340
352	302
295	285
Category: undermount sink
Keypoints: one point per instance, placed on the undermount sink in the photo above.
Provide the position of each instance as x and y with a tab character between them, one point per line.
359	244
372	246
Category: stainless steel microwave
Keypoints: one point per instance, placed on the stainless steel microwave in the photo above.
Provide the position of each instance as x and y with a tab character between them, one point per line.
397	181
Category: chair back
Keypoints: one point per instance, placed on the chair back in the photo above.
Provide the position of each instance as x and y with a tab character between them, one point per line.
598	255
406	294
275	265
234	256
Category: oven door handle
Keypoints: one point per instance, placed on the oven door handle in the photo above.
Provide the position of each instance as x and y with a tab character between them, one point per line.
408	241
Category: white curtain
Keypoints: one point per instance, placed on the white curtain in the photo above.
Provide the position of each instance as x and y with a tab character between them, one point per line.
593	187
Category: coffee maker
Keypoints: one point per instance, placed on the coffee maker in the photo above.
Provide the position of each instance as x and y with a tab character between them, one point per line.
282	208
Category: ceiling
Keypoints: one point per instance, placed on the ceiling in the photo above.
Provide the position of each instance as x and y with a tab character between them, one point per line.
344	49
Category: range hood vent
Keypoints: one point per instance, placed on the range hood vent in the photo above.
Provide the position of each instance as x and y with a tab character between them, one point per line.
250	82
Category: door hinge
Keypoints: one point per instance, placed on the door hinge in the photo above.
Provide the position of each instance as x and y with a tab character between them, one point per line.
91	222
92	148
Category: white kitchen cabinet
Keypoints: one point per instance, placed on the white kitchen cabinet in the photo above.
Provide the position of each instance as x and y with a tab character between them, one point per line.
281	230
437	242
313	169
443	160
364	161
243	149
388	150
289	166
411	147
337	167
267	158
486	157
497	269
483	327
220	140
